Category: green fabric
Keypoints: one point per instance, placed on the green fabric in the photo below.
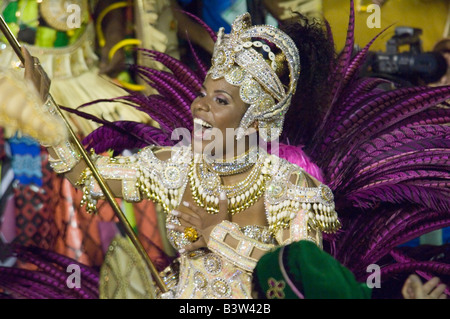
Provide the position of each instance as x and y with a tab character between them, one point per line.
269	280
76	33
61	39
9	14
45	37
29	13
312	271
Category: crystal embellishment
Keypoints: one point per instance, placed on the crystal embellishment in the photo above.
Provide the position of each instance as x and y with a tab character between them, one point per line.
239	60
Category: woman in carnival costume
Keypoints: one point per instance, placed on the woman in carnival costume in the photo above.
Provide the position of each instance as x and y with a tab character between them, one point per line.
228	207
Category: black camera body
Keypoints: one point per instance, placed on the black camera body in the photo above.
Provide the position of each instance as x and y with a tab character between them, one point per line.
411	67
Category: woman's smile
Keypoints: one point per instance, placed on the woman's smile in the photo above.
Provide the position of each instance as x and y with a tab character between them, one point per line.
217	108
202	129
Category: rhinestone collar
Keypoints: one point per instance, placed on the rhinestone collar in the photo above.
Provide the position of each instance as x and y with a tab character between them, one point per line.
236	165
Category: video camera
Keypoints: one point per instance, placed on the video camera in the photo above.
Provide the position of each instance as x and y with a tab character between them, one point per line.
413	67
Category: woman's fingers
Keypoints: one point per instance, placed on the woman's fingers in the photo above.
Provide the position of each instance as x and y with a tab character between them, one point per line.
192	231
191	218
199	243
202	222
223	206
432	289
29	68
438	291
430	285
28	59
194	209
194	246
198	211
407	290
177	228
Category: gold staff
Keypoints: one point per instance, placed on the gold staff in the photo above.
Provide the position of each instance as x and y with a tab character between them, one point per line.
106	191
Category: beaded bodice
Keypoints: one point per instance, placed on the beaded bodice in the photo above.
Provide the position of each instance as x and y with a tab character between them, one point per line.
287	188
293	201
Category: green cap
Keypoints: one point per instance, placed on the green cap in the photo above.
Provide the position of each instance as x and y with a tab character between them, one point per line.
303	270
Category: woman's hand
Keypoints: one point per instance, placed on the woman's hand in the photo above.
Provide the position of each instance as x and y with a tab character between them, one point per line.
36	74
191	217
413	288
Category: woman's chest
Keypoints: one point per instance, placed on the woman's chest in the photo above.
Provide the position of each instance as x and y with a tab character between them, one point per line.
253	215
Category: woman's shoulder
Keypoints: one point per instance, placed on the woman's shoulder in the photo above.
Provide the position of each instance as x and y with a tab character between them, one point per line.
162	153
292	188
166	166
292	182
166	153
295	173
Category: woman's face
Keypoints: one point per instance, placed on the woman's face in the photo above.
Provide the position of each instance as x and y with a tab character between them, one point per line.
218	107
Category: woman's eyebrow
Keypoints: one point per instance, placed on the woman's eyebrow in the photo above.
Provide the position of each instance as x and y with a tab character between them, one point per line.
225	92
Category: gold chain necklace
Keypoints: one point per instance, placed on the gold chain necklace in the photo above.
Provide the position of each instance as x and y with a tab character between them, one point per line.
206	186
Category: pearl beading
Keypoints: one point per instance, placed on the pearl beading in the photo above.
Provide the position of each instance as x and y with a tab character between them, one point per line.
145	176
206	186
284	200
68	157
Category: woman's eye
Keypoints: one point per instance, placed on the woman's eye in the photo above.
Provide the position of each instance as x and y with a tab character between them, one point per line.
221	101
200	94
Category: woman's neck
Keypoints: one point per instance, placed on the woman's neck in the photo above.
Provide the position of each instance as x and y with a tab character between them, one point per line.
241	158
240	147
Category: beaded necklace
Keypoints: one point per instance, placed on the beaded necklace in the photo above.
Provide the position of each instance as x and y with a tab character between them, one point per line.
206	185
236	165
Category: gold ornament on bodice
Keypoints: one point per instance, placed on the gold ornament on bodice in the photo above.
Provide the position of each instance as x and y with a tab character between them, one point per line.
206	183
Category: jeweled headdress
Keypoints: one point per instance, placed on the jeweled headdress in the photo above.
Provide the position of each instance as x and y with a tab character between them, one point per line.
236	59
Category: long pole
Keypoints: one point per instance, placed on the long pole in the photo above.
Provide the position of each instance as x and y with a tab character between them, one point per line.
104	187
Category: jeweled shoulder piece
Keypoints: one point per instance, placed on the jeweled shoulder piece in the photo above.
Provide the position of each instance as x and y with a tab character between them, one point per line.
143	175
164	181
240	57
284	200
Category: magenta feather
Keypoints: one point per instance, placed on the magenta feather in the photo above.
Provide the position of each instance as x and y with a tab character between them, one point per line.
107	138
356	63
169	93
344	58
182	72
170	80
203	24
410	267
155	106
48	279
202	67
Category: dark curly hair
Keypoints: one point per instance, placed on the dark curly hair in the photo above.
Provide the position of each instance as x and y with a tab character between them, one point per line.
317	59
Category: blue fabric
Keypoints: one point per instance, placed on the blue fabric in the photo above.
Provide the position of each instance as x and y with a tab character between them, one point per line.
416	241
212	11
412	243
26	160
446	235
